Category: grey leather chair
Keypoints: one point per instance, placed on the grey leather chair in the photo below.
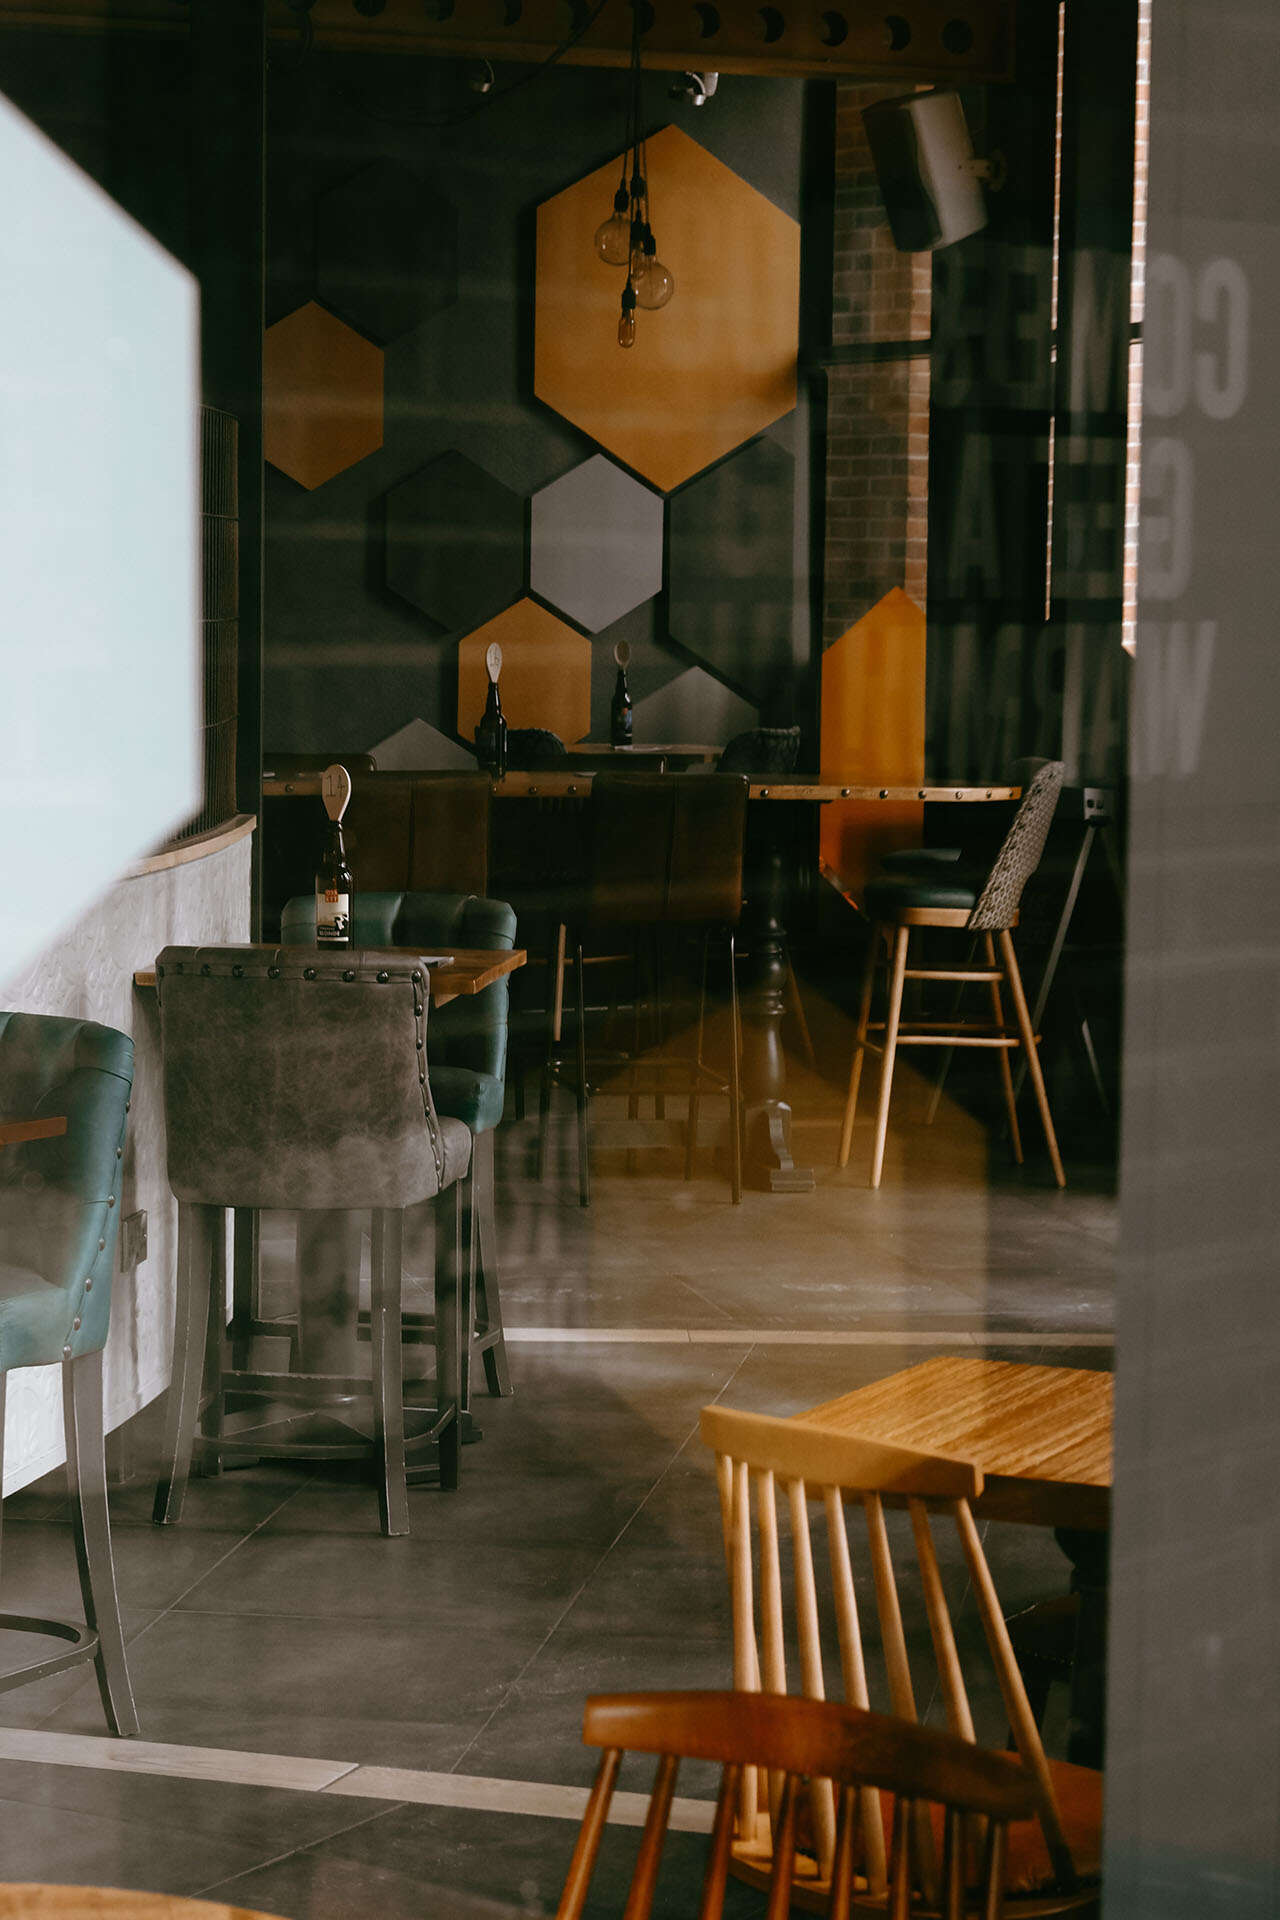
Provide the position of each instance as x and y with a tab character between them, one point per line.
297	1079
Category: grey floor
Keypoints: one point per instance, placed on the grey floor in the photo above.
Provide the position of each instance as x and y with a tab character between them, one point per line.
582	1551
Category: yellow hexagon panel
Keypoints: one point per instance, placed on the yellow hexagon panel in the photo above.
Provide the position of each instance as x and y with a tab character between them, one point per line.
546	673
707	371
321	396
873	735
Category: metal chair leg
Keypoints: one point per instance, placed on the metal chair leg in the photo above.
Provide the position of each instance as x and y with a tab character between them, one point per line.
87	1484
691	1127
195	1251
735	1077
385	1305
584	1148
489	1339
448	1285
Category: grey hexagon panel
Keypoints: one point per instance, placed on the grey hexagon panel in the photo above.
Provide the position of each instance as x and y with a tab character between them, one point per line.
455	542
596	547
694	707
732	568
387	250
420	747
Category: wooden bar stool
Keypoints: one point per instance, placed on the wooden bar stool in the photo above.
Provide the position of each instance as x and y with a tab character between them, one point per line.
943	895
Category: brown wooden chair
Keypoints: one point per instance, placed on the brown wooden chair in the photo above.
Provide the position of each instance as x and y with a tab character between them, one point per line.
797	1743
665	852
941	893
791	1463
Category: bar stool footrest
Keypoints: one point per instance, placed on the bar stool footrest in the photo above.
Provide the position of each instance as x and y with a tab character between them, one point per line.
83	1646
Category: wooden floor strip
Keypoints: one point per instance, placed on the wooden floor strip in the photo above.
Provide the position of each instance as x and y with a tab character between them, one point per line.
540	1799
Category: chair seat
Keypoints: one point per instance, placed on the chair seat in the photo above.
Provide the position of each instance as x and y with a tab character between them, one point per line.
924	860
463	1094
890	894
35	1319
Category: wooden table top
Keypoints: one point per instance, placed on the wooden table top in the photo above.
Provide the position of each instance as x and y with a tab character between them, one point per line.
1041	1435
51	1127
27	1900
470	970
552	784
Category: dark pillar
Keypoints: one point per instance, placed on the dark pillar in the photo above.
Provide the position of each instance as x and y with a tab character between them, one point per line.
228	56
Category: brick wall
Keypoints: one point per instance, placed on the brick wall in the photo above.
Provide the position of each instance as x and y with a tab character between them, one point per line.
878	410
1134	448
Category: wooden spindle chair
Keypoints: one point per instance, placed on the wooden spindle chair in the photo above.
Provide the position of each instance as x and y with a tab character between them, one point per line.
851	1752
789	1464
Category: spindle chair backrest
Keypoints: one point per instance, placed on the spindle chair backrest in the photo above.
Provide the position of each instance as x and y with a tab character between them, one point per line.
788	1464
796	1741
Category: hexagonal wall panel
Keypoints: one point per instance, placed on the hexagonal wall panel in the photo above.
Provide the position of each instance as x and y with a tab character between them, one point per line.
695	707
710	369
387	250
455	541
546	673
732	567
596	544
321	396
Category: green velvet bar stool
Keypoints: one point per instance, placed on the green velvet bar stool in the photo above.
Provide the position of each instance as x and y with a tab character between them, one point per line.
59	1219
468	1077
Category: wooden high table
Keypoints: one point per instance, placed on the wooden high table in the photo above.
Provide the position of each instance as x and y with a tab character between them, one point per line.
769	1163
1042	1438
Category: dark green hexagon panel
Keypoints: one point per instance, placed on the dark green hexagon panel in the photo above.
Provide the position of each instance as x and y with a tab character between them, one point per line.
455	542
732	568
387	250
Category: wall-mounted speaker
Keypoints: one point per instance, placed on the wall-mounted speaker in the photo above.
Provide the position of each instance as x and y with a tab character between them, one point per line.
925	163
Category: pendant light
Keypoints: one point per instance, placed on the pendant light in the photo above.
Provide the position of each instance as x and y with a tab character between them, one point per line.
625	237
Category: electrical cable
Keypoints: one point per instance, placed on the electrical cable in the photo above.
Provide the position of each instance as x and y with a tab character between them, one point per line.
483	103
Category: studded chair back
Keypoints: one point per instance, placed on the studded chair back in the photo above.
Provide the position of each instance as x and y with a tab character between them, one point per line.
1019	856
532	749
297	1079
762	750
666	849
471	1031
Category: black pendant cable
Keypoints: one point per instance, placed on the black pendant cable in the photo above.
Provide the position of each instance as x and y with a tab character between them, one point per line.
626	239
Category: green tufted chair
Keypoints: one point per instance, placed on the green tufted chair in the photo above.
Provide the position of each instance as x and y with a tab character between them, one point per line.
468	1074
59	1217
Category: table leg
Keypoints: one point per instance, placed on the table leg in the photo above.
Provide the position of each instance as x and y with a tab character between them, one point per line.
1088	1553
329	1243
769	1163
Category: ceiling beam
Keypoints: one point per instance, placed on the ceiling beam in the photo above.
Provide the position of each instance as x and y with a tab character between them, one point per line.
915	41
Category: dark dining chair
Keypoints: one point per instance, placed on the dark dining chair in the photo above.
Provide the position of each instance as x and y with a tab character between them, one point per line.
468	1079
884	1859
59	1222
665	853
298	1079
